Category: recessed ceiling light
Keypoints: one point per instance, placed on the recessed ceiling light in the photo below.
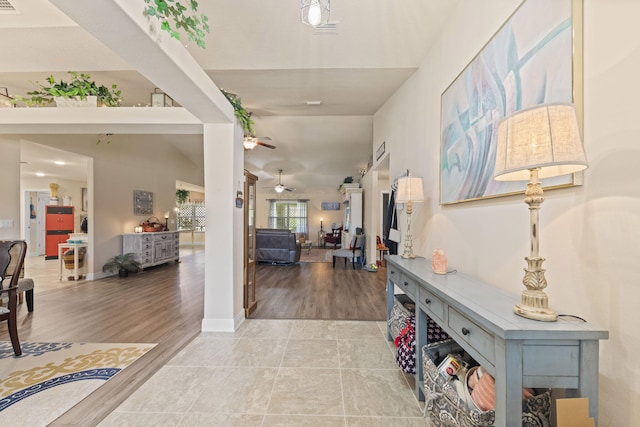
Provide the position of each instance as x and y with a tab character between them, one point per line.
39	174
59	162
314	102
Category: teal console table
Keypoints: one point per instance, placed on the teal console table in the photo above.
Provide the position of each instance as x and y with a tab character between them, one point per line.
518	352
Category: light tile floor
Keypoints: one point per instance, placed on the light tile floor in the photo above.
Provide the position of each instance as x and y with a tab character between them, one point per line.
279	373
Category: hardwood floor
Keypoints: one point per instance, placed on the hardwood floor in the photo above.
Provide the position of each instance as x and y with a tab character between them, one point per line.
318	291
164	305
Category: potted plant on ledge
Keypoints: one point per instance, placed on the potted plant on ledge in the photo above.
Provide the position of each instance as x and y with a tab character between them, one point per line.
123	264
79	91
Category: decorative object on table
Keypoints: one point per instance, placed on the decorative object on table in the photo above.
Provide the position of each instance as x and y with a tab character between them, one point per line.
123	264
53	198
185	18
534	58
138	229
142	202
535	143
166	221
152	225
439	261
315	12
79	91
409	191
160	99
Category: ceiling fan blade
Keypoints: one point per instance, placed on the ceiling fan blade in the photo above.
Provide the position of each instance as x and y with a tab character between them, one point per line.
264	144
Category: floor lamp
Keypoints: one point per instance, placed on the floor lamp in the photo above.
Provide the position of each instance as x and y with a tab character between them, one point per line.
539	142
409	191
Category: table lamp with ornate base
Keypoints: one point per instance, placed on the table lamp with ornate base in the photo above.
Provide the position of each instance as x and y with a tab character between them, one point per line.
539	142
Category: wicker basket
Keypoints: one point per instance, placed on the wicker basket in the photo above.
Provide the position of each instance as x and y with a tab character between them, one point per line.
68	260
152	224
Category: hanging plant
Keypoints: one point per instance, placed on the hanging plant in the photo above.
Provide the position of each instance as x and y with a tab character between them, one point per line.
243	115
167	11
181	195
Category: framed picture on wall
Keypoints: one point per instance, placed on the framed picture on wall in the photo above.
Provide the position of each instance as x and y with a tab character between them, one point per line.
142	202
534	58
330	206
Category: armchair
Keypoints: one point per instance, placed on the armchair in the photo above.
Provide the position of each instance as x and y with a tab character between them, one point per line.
355	252
334	237
10	287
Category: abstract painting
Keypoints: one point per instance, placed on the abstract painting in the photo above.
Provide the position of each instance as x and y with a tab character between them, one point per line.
529	61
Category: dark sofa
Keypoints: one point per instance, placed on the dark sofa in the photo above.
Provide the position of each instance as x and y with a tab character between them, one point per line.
277	246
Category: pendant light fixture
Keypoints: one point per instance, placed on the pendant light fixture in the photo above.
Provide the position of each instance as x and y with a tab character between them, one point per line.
315	12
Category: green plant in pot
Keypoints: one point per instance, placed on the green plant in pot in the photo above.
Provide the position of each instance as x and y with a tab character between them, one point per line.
80	86
181	195
123	264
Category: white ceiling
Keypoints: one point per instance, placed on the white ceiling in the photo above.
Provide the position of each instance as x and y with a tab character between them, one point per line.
261	51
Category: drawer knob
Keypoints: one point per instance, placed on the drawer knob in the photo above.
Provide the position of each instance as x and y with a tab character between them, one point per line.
406	283
427	301
465	331
393	272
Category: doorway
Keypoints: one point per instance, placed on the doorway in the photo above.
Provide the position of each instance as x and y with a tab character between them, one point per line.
34	221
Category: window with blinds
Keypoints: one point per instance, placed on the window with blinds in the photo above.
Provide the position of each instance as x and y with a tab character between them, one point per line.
289	215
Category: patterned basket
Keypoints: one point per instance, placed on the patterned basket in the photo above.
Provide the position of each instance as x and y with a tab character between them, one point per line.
445	408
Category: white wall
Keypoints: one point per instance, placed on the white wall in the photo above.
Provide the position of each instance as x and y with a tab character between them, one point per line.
10	187
129	162
589	234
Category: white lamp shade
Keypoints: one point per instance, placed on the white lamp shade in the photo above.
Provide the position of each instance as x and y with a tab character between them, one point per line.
544	137
410	190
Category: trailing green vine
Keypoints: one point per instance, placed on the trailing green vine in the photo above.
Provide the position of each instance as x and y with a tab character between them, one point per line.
167	11
243	115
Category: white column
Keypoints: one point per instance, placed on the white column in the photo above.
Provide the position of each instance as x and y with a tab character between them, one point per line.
223	236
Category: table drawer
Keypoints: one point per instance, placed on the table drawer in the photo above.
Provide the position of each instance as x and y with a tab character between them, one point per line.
395	275
473	334
162	237
431	304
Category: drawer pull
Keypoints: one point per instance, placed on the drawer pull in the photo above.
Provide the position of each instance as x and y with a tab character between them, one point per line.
427	301
393	272
465	331
406	283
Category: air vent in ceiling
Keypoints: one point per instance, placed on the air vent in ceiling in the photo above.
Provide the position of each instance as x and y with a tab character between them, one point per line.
328	28
6	6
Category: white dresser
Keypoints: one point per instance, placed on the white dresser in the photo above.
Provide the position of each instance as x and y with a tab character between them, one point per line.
152	248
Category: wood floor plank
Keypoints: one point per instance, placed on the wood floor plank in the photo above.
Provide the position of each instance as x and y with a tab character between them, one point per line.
318	291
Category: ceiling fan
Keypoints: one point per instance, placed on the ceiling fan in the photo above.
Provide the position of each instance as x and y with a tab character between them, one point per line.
279	187
250	142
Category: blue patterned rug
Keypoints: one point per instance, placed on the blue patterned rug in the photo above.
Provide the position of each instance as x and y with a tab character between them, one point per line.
50	378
